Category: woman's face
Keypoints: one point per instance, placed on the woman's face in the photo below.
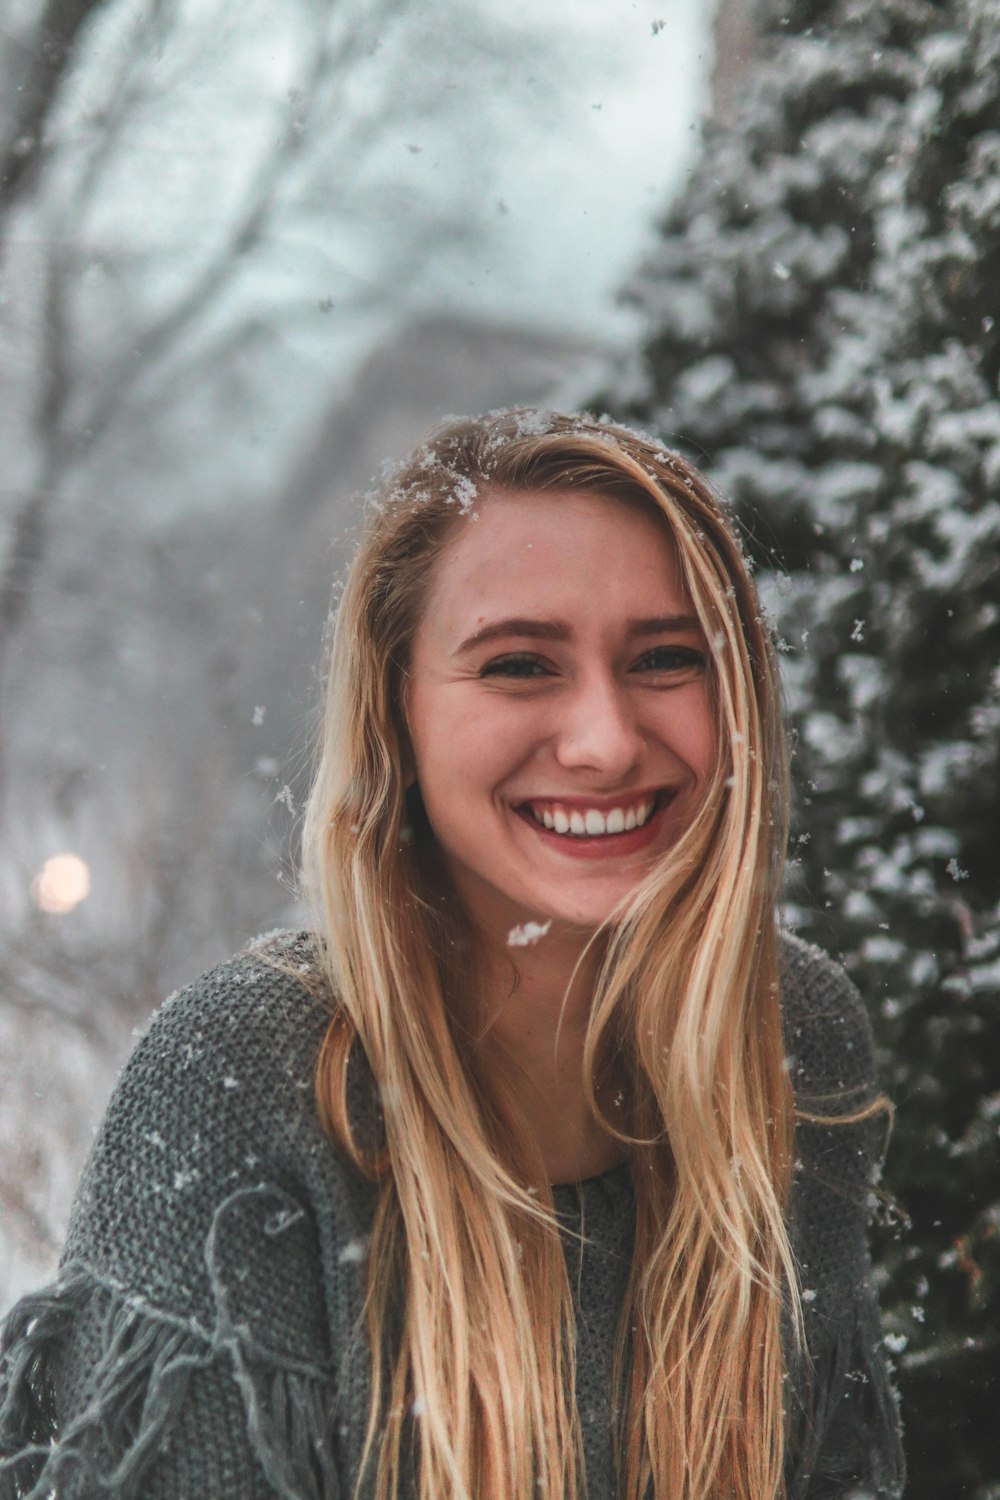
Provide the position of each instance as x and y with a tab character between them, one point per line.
558	706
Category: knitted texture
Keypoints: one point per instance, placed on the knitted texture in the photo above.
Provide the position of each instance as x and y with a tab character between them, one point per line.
206	1336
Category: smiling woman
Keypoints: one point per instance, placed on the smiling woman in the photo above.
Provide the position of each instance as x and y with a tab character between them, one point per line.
542	1166
557	704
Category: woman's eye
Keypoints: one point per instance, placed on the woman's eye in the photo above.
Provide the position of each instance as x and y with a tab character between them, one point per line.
514	665
672	659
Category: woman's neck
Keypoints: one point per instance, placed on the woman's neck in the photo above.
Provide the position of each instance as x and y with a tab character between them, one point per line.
534	1007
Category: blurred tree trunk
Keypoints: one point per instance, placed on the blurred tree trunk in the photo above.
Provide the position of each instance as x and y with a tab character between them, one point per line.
734	42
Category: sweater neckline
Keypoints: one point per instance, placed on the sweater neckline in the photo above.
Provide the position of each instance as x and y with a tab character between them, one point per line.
612	1188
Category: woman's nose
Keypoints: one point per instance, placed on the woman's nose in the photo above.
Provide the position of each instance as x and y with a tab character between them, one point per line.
599	729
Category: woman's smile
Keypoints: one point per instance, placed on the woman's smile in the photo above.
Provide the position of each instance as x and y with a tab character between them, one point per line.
589	821
582	829
558	705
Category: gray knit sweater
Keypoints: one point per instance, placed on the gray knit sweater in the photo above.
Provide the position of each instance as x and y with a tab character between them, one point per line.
205	1339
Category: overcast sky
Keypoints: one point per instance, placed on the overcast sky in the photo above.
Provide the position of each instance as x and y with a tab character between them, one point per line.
581	197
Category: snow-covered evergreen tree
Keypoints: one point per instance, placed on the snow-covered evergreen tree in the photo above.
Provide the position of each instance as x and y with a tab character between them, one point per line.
824	337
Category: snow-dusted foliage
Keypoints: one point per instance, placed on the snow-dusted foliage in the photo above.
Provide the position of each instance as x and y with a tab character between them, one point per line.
824	336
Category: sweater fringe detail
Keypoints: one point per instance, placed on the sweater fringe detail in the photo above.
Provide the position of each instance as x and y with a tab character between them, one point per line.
136	1388
849	1438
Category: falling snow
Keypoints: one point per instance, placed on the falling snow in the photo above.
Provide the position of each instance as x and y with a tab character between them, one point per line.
527	933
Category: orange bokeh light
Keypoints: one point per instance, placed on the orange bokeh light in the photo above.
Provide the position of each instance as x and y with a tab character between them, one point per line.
62	883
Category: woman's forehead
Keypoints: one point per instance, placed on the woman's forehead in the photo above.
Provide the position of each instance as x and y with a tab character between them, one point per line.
557	517
557	554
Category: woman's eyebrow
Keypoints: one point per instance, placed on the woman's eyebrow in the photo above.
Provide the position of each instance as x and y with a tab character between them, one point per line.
557	630
542	630
662	625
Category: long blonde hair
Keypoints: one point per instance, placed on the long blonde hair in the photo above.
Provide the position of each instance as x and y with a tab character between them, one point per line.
469	1310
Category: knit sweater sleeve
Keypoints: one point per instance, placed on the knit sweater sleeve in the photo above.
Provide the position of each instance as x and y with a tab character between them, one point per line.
186	1348
844	1410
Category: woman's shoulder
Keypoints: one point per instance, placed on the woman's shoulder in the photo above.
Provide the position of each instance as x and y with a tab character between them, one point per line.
272	995
828	1035
212	1136
229	1057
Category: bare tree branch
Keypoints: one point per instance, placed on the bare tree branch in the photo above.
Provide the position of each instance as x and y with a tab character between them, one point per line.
246	233
24	558
51	56
56	387
121	95
340	41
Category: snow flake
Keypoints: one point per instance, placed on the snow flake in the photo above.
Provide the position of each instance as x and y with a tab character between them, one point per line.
533	423
353	1252
464	494
527	933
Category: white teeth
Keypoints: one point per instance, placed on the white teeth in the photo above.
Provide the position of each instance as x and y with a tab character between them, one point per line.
592	823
